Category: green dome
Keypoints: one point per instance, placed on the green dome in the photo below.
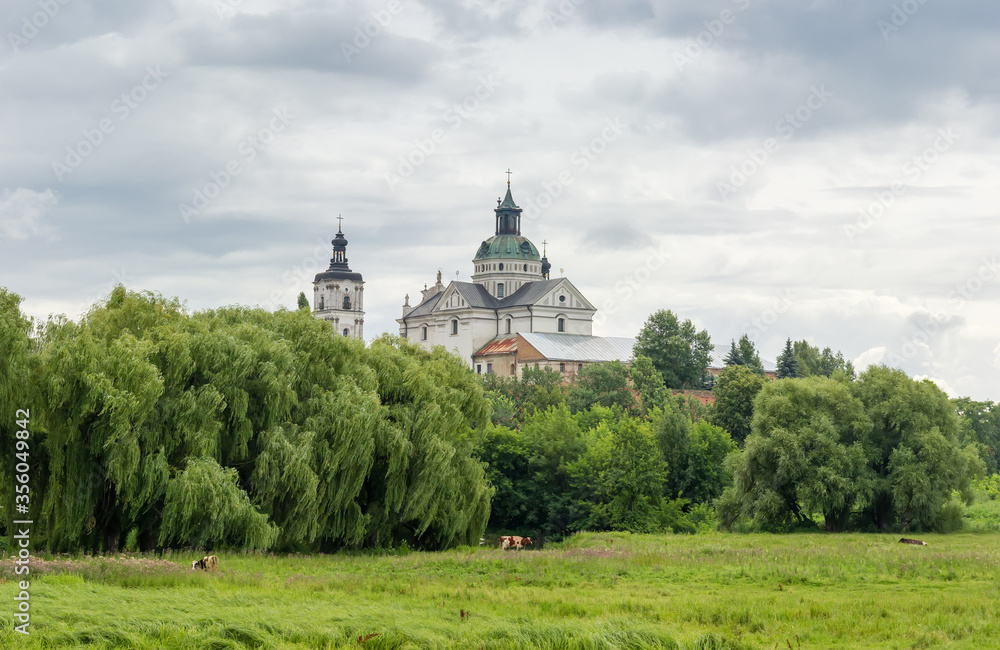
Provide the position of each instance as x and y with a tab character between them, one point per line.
507	247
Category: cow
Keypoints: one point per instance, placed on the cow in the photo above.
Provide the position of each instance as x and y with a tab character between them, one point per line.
513	540
904	540
207	563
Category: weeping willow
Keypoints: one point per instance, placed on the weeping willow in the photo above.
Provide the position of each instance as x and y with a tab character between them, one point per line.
241	428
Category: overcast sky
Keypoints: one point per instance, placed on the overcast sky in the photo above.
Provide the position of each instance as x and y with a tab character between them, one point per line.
823	170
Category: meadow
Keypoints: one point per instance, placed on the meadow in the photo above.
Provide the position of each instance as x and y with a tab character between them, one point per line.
595	590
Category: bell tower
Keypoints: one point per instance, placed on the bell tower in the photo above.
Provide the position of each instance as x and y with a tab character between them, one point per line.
339	293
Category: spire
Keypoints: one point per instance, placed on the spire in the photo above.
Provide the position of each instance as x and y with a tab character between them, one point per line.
508	214
339	260
546	267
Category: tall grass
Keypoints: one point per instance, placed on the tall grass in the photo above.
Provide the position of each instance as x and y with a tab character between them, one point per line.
595	590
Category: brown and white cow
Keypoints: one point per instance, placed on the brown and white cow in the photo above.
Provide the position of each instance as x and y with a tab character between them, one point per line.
207	563
912	541
513	540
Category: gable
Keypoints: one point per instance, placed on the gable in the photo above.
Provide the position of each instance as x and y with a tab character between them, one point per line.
564	296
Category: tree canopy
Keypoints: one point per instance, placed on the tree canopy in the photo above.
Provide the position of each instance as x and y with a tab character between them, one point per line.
678	350
243	428
881	452
735	391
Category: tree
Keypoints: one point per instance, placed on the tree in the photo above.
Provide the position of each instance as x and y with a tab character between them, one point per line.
694	454
914	451
788	363
16	388
980	423
885	448
735	391
812	362
506	455
734	357
243	428
677	350
619	479
303	302
649	384
805	456
536	391
606	384
744	353
748	353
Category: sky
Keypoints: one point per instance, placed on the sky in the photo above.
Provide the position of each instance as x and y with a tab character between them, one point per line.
818	170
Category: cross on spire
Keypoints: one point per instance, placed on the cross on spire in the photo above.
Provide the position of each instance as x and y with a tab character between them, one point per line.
508	176
544	245
340	224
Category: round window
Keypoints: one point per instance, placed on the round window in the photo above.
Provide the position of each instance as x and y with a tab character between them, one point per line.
562	298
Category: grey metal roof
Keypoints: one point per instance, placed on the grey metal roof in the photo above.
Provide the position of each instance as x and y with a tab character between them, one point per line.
579	347
529	293
426	307
476	295
717	360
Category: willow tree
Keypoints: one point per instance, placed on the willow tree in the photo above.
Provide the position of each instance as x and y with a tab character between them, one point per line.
805	456
915	452
15	393
243	428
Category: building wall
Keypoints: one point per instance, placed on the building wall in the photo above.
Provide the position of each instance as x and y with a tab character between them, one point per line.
328	302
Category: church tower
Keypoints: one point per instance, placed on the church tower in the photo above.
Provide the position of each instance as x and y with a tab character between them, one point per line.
338	293
506	261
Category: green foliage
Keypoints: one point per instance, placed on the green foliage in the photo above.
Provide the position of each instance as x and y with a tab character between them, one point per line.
988	487
648	382
812	362
537	390
744	353
980	422
619	479
302	302
242	428
804	456
788	363
885	449
735	391
914	450
603	384
16	392
677	350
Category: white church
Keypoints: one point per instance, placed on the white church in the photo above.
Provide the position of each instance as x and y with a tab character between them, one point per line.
512	314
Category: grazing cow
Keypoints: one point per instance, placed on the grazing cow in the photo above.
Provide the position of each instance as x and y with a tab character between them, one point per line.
513	540
207	563
912	541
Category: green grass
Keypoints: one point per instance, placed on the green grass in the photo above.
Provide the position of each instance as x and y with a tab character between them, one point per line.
594	591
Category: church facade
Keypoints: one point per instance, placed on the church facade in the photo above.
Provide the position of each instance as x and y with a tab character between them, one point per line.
511	292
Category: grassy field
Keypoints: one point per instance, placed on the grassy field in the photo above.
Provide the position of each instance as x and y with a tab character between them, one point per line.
594	591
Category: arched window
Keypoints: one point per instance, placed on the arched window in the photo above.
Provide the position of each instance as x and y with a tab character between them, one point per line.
346	332
500	290
525	267
454	326
347	302
508	326
423	333
501	266
321	302
562	367
561	325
